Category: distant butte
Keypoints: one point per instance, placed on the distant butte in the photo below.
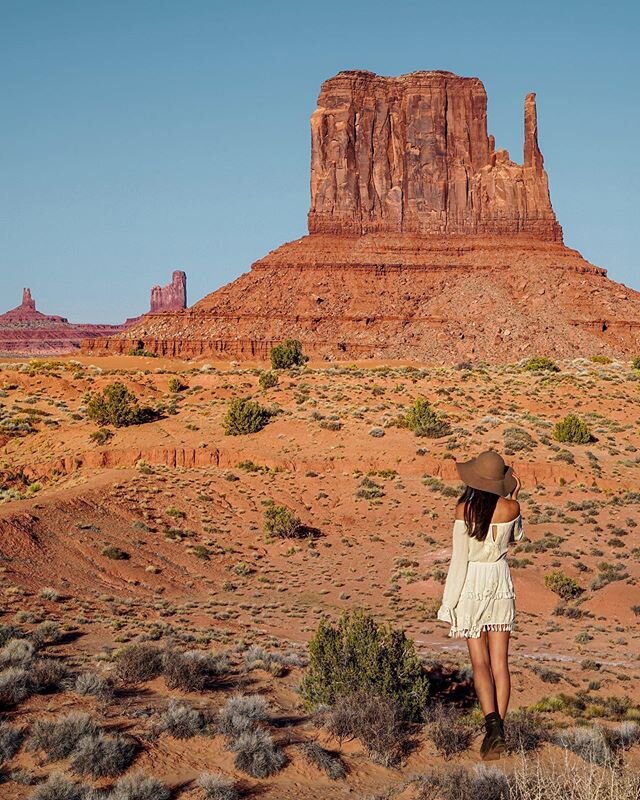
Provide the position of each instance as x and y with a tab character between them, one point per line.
25	331
425	243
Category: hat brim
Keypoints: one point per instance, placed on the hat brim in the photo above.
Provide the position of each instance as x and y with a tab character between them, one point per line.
503	486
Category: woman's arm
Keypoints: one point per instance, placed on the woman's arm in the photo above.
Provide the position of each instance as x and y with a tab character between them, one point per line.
457	573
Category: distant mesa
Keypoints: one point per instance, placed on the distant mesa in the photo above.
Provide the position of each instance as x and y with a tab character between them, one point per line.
25	331
426	243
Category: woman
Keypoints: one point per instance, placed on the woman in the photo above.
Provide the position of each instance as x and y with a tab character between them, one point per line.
478	600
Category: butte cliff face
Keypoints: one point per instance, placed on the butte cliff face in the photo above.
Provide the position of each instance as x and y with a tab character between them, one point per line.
172	297
426	243
412	154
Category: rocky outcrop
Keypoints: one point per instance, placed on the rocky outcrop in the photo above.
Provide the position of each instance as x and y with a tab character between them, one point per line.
425	244
172	297
25	331
412	154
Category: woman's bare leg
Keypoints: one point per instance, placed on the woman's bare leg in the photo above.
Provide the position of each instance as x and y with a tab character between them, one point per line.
482	675
499	660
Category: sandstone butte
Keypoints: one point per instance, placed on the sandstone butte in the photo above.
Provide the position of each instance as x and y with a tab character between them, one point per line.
25	331
425	243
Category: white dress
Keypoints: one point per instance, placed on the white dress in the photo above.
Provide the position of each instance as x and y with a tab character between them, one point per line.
478	593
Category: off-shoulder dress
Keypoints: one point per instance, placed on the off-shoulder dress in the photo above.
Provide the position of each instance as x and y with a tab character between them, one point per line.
478	593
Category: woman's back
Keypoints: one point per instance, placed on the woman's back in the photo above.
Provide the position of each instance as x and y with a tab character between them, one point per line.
506	510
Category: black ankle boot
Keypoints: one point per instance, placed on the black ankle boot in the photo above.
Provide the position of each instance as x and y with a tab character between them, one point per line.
493	743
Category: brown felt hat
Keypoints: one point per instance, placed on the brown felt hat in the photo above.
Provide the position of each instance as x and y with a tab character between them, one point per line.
487	472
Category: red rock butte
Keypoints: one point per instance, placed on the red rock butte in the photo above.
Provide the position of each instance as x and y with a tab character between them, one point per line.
425	243
25	331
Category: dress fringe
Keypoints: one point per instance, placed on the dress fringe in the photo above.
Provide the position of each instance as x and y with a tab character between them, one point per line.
474	633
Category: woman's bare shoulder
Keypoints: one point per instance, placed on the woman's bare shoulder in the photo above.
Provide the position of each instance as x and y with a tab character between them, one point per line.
460	510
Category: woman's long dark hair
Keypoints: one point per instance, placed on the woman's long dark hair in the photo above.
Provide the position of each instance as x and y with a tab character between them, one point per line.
478	510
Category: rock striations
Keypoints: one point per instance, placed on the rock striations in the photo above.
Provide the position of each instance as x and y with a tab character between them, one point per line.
425	243
25	331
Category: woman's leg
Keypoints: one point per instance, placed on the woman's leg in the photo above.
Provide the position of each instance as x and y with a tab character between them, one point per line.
482	676
499	660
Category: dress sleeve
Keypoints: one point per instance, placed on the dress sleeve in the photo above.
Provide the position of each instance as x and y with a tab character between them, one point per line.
457	573
518	530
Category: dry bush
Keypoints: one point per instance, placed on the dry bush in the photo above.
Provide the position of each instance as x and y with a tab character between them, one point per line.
57	787
10	740
330	763
139	662
448	730
92	684
524	731
103	756
57	738
217	787
257	754
182	721
483	783
191	671
16	653
138	786
48	675
15	686
241	713
377	721
47	632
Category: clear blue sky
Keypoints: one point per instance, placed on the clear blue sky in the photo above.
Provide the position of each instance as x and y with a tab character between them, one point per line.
142	136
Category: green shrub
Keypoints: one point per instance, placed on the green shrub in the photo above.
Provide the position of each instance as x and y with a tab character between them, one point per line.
115	553
268	379
562	584
572	429
424	421
245	416
281	522
116	406
288	354
357	654
176	385
541	364
101	436
601	359
635	362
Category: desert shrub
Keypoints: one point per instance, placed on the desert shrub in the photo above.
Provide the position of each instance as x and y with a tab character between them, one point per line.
116	406
94	685
330	763
562	584
138	786
182	720
57	738
484	783
57	787
245	416
47	632
48	675
424	421
369	489
115	553
448	730
103	756
268	379
139	662
241	713
10	740
15	686
257	754
191	671
517	440
540	364
590	743
217	787
8	632
359	654
635	362
573	430
101	436
377	721
281	522
288	354
177	385
16	653
524	731
600	359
